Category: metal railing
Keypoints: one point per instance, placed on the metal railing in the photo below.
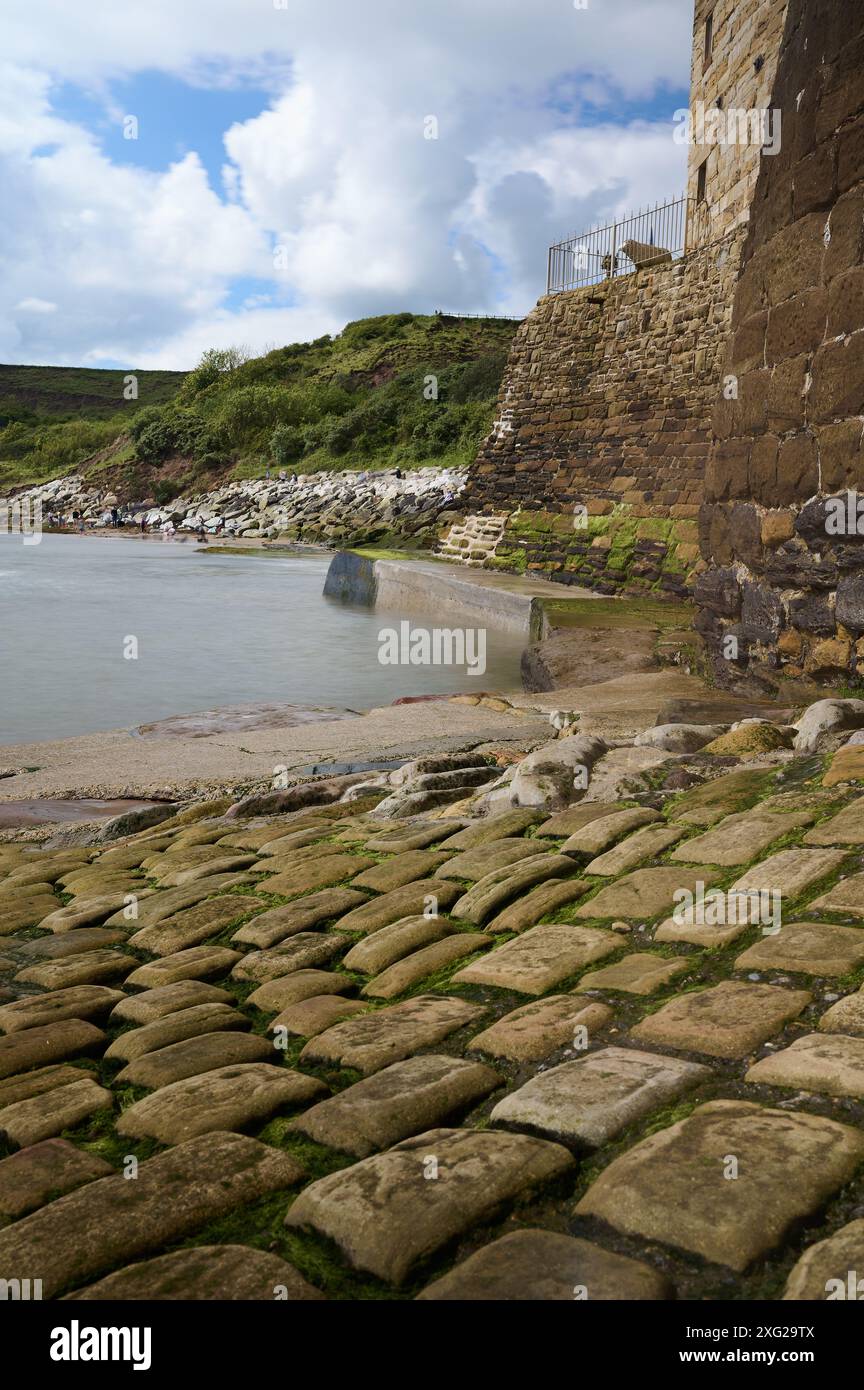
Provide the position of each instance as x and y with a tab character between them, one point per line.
653	237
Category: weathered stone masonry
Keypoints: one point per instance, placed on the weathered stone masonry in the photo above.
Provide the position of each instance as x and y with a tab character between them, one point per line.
607	404
789	592
607	399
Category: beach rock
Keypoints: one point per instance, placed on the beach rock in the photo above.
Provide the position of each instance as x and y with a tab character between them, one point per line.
826	717
557	774
680	738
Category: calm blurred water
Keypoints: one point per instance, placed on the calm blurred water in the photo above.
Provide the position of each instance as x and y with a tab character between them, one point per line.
212	630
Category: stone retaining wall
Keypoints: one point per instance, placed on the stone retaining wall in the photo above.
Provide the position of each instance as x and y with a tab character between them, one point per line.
784	591
603	428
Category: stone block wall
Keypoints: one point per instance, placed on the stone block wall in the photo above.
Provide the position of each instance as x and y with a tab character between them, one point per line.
739	71
603	430
785	589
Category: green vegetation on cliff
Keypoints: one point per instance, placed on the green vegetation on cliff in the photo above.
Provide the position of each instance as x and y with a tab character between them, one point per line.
399	390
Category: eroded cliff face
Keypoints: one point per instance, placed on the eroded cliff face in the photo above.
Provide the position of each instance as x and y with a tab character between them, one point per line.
780	528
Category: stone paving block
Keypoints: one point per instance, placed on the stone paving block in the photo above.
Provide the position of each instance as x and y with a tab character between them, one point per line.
401	869
226	1098
51	1169
635	849
407	837
534	1031
832	1269
300	952
811	948
16	913
739	839
791	871
599	834
846	828
385	1218
194	924
191	873
389	944
198	963
565	823
320	873
846	1016
640	973
499	887
388	1035
401	902
77	1001
263	835
847	896
53	1042
167	901
166	999
671	1187
72	943
36	1083
112	1221
585	1103
188	1023
645	893
427	961
85	912
397	1102
473	864
194	1056
541	902
310	1017
540	958
93	967
274	926
302	984
727	1020
830	1064
227	1273
47	1115
702	933
480	832
542	1266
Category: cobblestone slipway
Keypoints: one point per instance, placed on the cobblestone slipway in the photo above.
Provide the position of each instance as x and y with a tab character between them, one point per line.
247	1058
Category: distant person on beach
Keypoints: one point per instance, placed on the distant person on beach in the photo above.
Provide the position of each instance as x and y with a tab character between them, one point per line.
115	517
143	526
200	530
398	472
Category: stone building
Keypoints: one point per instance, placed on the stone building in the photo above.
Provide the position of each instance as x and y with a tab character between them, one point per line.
598	456
781	528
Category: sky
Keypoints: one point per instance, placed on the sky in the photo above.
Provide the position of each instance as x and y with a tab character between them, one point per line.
184	174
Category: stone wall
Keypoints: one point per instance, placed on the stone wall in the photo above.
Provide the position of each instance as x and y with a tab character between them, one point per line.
605	408
784	591
739	71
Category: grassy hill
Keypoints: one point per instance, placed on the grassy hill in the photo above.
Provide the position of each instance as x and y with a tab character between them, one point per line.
401	389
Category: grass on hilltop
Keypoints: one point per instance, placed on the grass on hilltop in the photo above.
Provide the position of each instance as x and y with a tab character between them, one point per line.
398	390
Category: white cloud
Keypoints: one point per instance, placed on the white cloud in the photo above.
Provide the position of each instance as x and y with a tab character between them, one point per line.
373	217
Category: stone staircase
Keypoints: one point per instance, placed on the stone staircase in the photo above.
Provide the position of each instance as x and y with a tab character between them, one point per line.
474	540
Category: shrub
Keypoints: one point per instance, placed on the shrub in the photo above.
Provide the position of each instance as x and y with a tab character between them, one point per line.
287	444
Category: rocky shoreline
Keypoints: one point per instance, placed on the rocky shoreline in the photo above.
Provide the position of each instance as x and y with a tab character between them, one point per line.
346	508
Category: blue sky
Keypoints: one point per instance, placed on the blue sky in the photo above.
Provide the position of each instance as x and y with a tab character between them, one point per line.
302	128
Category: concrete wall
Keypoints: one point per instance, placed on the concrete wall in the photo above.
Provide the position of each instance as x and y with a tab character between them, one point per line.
788	591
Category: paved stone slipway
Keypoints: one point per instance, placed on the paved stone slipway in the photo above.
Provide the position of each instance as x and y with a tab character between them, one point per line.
504	1102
